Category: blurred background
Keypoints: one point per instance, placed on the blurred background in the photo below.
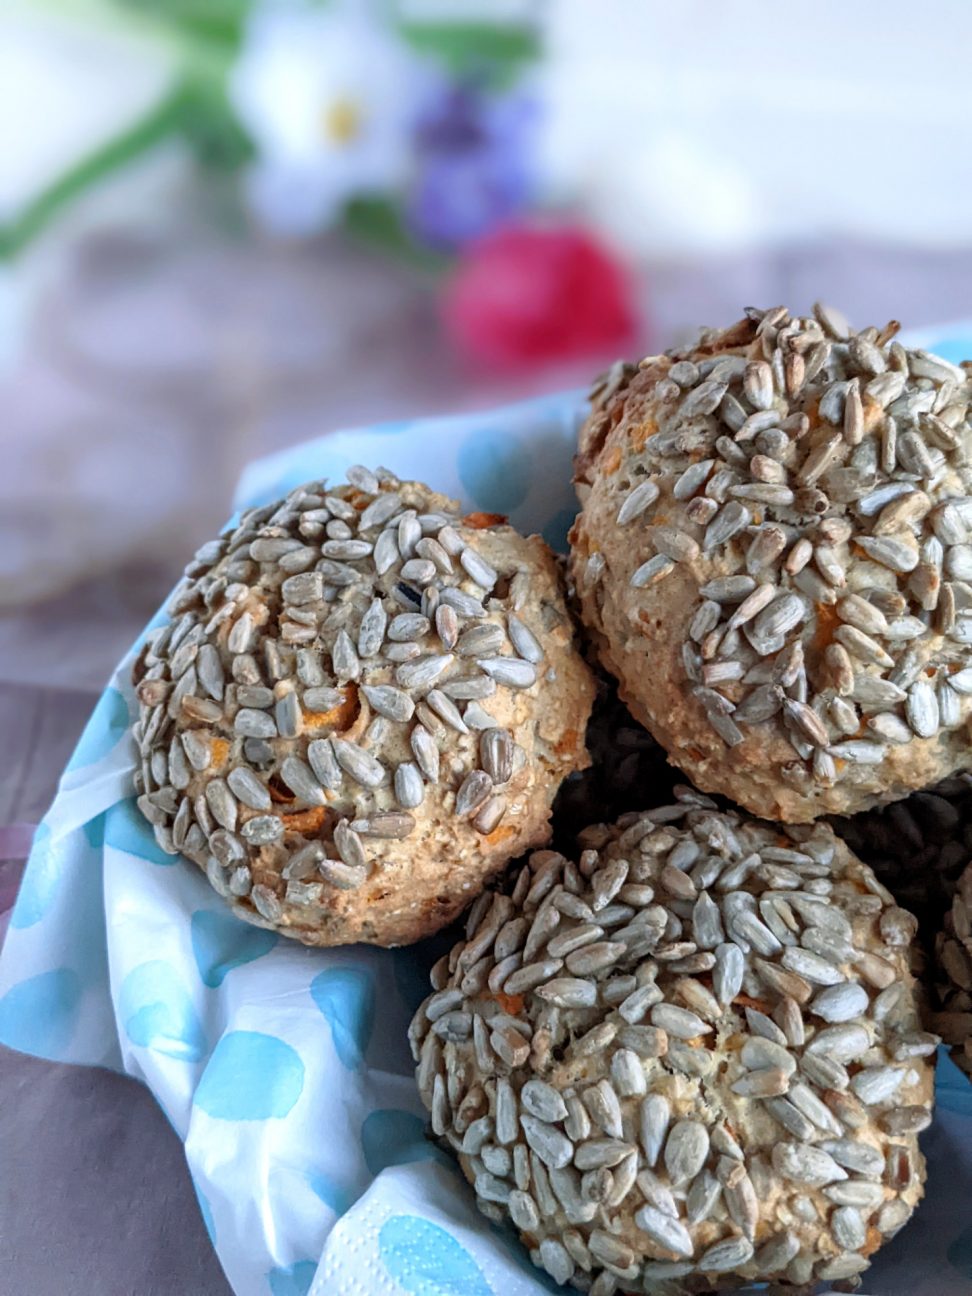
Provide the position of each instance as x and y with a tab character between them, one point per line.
230	225
227	226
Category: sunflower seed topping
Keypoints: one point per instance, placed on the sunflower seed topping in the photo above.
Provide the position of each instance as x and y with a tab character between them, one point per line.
832	470
603	974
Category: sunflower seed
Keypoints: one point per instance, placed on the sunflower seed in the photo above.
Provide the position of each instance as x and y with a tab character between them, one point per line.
921	709
221	803
855	1155
524	640
523	1211
679	1022
758	385
407	627
364	479
423	671
241	634
346	550
820	458
801	1163
792	1120
664	1230
553	1148
653	570
637	501
783	615
543	1101
726	1256
245	785
728	973
840	1003
490	816
356	762
287	715
320	755
254	724
481	639
596	1154
876	1085
686	1150
261	830
511	671
893	554
477	568
389	701
841	1043
446	626
473	791
390	824
774	1255
300	778
409	788
266	903
901	1121
446	710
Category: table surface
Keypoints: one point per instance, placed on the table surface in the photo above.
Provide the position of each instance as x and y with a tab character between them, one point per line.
150	375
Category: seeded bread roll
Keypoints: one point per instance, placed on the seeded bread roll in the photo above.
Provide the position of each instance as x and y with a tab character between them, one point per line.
953	968
688	1060
773	556
362	709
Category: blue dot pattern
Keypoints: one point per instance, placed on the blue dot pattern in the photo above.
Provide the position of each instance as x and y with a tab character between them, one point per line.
40	1015
425	1260
346	997
495	468
157	1012
392	1136
126	830
221	943
338	1197
250	1077
39	883
107	726
94	831
295	1280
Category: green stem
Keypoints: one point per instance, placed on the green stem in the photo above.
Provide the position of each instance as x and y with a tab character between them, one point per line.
161	121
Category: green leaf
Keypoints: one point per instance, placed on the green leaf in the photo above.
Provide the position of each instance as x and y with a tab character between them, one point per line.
376	221
213	131
166	118
216	22
462	46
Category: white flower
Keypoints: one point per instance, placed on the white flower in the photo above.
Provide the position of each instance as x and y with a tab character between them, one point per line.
328	97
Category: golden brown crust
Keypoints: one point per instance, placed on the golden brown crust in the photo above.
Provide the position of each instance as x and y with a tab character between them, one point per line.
643	625
412	864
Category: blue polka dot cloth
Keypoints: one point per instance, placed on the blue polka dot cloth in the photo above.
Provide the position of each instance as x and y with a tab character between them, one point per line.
284	1070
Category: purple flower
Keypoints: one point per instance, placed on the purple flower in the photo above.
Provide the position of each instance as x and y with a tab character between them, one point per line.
473	154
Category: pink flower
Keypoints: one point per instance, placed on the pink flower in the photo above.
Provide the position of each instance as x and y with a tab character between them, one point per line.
529	295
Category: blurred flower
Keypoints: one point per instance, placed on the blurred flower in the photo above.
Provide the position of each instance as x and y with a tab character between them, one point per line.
528	295
474	162
329	97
